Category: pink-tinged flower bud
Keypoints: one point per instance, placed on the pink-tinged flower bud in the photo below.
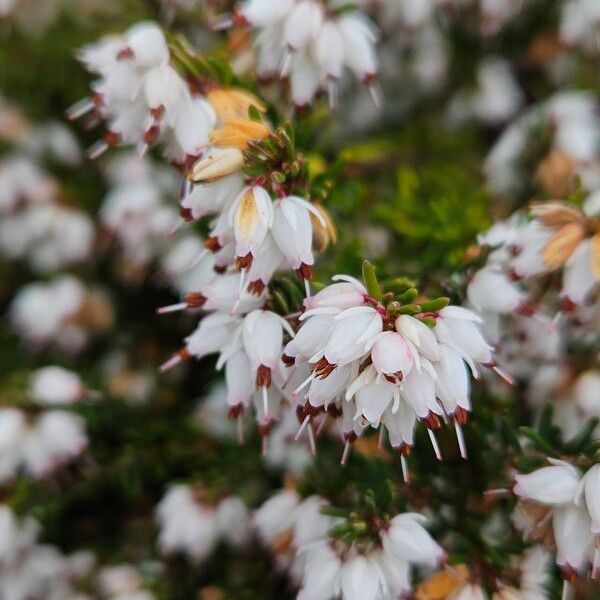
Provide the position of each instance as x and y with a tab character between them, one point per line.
392	356
338	295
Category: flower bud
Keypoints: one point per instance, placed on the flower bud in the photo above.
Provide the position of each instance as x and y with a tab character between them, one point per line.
217	164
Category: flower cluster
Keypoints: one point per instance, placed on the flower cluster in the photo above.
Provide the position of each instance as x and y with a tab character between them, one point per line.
36	223
559	136
190	525
311	42
38	443
385	359
558	503
542	268
458	582
30	569
63	312
142	98
135	212
367	559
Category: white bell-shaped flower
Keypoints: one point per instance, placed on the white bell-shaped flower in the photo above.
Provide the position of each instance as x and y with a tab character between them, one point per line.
591	491
252	217
408	540
55	385
574	542
392	356
554	485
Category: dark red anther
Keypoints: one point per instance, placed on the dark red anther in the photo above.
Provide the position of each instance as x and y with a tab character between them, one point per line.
304	272
461	416
195	299
186	214
158	113
526	308
235	411
125	54
111	139
405	449
151	134
212	243
263	376
184	354
244	262
220	269
323	368
256	287
432	421
567	305
288	361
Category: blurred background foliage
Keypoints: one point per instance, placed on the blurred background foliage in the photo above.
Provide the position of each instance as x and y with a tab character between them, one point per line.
409	196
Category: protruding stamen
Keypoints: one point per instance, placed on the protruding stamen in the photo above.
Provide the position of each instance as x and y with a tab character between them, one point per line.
302	427
380	440
265	399
286	63
175	228
461	439
264	445
303	385
223	22
172	362
376	94
405	471
198	259
332	92
98	149
499	492
307	288
80	108
242	281
434	444
345	453
172	308
503	374
311	440
566	590
321	425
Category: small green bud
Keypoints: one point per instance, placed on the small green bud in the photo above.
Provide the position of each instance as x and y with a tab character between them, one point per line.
370	279
408	296
435	305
